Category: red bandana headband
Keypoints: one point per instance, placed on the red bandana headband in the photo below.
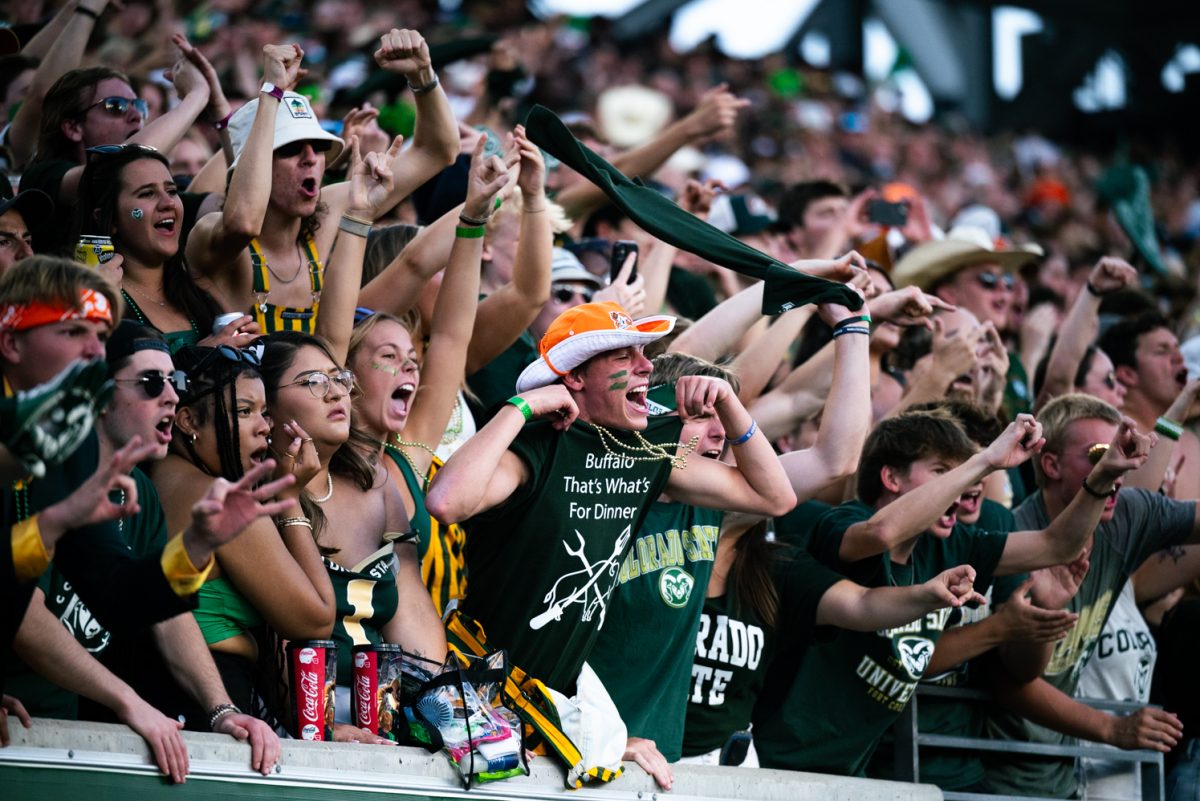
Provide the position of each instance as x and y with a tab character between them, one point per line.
93	305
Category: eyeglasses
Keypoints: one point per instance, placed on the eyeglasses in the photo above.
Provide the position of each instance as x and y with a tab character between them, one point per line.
110	150
153	383
564	293
991	281
319	383
119	106
295	148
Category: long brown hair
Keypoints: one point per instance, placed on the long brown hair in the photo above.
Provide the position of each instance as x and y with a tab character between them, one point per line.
750	581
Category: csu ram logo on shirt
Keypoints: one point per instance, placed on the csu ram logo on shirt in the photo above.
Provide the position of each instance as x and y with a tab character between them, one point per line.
675	587
667	554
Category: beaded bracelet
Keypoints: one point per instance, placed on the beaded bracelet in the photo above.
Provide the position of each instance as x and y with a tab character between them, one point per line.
744	438
522	407
467	219
219	711
294	521
469	231
1169	428
851	329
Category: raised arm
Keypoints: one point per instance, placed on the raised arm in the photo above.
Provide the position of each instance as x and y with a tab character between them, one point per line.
370	181
484	472
715	334
454	311
1080	327
218	238
715	115
847	417
1150	476
60	46
913	512
435	137
1062	540
757	485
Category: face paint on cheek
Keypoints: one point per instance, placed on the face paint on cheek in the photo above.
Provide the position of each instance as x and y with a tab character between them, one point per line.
137	214
384	368
618	384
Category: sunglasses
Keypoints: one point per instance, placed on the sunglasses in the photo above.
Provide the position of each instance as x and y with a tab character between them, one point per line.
991	281
319	383
565	293
1110	380
110	150
119	106
154	383
296	148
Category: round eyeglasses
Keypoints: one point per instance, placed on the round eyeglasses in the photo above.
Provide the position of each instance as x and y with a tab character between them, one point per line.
319	383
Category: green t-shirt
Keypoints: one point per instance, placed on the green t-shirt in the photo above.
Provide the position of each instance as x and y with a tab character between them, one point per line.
644	652
144	533
796	526
496	381
953	768
849	691
544	563
735	650
1142	524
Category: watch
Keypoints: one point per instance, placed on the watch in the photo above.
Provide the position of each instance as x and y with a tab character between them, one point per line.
272	90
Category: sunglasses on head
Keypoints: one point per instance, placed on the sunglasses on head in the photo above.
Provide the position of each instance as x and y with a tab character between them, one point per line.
991	281
119	106
229	354
296	148
154	382
565	293
111	150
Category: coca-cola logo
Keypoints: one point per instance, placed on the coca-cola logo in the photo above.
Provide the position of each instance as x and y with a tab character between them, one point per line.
360	659
363	700
310	694
309	732
308	656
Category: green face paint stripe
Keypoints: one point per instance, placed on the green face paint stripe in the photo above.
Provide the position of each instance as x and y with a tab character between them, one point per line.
385	368
618	386
618	374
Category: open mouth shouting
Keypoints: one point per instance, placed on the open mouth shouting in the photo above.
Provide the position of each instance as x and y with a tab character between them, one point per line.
946	522
401	400
260	454
167	226
309	188
636	399
1181	377
162	431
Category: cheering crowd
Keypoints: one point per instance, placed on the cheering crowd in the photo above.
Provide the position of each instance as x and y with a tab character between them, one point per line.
381	344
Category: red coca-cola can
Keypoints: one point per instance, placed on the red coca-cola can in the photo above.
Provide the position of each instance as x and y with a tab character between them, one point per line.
312	667
376	689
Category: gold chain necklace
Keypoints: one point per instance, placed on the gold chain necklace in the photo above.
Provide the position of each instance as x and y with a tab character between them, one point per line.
296	275
656	452
399	447
130	285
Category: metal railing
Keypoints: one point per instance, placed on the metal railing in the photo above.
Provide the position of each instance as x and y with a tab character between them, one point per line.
909	741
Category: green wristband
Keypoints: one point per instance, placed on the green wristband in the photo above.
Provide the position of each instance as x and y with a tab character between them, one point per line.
522	406
469	232
1169	428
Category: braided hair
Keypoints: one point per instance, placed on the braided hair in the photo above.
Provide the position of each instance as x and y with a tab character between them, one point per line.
213	373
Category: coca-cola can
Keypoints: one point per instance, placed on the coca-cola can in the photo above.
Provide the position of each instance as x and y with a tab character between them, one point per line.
312	667
375	690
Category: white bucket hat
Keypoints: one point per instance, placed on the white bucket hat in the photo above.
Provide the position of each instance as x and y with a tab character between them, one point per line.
294	121
584	331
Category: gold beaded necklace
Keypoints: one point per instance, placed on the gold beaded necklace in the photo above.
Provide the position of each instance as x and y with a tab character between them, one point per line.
656	452
399	447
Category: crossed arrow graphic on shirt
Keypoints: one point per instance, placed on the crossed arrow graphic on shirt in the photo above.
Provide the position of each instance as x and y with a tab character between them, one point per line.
594	572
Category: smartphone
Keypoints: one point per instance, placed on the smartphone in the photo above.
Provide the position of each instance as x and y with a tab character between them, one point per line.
620	251
884	212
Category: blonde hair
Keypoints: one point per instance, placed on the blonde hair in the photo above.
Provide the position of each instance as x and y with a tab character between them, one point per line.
560	223
1057	417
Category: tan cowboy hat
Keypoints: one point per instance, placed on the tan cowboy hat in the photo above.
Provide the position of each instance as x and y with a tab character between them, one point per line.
927	264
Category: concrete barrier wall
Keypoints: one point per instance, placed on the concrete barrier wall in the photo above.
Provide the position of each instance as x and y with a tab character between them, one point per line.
97	762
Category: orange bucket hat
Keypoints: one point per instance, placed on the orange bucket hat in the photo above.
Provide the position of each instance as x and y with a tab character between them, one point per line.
585	331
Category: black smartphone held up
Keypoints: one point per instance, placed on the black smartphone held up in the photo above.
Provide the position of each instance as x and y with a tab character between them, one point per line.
620	251
884	212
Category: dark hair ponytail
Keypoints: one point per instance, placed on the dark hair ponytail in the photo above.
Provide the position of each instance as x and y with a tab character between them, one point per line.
750	582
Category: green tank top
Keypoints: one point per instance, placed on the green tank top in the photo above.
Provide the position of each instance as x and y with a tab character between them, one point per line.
176	340
223	612
367	598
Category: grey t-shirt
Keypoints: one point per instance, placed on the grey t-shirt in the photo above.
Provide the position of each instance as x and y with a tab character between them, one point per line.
1142	524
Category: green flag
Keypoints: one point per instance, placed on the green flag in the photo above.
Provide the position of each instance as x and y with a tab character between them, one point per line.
785	288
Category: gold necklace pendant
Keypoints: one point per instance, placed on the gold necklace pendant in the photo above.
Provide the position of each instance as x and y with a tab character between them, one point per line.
655	452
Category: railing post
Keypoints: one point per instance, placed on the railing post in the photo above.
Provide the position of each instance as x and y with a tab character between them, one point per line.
907	760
